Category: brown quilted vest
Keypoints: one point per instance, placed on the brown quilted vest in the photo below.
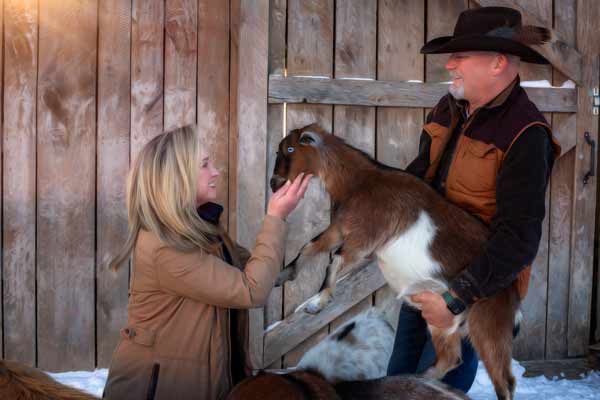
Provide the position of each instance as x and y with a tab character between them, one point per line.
484	142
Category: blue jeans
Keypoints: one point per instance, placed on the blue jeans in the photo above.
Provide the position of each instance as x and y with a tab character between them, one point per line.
414	353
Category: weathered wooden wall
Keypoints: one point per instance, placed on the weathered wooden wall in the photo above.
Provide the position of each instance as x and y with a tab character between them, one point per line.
85	84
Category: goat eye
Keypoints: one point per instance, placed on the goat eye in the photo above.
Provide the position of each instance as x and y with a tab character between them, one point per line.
290	149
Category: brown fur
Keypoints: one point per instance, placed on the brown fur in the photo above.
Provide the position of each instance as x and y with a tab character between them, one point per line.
309	385
298	385
20	382
372	204
398	388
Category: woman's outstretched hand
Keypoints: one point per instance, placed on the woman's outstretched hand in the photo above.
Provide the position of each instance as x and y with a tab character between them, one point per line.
287	197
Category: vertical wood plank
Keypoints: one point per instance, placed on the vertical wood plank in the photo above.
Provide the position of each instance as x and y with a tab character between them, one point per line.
401	32
530	343
181	45
355	57
213	90
542	9
19	173
355	46
584	206
147	69
251	131
1	171
114	111
441	18
234	24
277	29
561	198
561	194
66	184
310	52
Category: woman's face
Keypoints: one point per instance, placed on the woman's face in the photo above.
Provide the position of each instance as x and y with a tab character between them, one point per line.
207	182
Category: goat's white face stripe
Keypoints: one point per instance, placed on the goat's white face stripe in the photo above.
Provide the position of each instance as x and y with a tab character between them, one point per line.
406	259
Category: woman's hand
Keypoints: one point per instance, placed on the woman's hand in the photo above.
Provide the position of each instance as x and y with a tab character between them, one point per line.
287	197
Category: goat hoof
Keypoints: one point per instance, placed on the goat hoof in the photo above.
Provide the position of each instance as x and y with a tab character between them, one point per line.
318	303
314	306
433	373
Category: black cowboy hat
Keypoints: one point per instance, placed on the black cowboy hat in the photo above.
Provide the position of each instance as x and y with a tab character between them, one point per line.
492	29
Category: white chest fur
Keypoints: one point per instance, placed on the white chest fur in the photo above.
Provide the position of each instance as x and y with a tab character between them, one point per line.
406	261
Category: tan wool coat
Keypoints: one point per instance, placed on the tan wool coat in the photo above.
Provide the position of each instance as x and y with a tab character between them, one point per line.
177	341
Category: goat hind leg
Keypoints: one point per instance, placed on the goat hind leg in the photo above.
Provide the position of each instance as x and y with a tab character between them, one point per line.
496	356
491	334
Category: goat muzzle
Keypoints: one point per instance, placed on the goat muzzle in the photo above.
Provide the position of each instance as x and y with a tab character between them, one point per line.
277	182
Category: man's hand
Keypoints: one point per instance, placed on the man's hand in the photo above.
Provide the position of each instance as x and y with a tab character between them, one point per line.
433	309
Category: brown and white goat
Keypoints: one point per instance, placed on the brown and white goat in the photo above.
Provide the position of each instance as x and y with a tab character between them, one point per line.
420	240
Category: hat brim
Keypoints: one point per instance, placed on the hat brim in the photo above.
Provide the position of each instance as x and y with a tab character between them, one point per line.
450	44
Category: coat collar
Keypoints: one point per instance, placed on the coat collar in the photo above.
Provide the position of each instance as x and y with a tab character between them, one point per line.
497	101
210	212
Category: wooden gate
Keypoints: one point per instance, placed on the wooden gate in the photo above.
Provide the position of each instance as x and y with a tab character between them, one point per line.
353	66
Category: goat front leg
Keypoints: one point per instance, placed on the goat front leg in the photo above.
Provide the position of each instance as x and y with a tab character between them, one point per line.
331	238
341	260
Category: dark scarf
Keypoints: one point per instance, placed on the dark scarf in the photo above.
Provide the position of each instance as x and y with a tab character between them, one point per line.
211	213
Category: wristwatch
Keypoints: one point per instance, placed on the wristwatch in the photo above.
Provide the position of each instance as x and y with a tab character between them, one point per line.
454	304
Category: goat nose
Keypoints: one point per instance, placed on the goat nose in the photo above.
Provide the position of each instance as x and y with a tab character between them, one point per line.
276	182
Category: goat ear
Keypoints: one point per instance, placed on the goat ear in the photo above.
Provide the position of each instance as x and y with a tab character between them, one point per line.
309	138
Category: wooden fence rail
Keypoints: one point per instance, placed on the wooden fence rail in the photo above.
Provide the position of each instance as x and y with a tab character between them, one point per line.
393	94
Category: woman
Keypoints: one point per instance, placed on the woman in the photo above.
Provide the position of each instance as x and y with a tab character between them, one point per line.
177	343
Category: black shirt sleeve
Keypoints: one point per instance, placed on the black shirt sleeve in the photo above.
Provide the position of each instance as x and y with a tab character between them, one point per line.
418	167
516	228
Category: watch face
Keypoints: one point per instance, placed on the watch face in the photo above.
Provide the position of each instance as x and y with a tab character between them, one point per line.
456	306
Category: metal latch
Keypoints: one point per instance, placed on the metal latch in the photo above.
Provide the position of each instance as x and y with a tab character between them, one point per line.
595	101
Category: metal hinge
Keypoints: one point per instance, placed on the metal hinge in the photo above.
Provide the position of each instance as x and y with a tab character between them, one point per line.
595	101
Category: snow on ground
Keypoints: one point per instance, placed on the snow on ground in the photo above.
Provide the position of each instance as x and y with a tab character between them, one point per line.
91	382
586	388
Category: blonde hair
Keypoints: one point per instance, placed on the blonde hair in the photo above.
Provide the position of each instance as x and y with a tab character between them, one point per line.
161	196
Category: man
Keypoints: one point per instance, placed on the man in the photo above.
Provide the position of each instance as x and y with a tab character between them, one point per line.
488	149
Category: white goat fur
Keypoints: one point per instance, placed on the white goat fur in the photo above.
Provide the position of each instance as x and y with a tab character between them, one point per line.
363	354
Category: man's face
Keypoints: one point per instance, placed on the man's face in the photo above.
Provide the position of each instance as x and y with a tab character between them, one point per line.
471	73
